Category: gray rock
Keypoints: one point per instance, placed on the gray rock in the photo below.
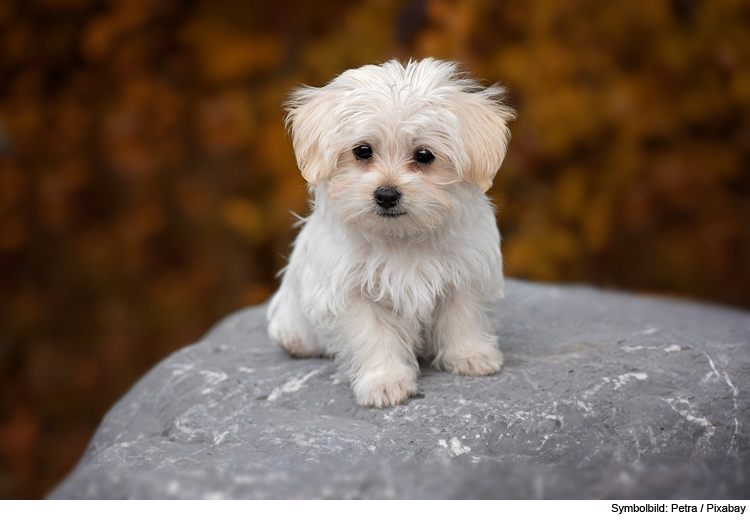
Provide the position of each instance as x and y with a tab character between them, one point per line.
603	395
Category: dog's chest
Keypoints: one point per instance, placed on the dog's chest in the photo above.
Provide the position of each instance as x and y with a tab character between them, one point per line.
408	281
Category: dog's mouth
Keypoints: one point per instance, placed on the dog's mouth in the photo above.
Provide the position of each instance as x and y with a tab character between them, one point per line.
390	214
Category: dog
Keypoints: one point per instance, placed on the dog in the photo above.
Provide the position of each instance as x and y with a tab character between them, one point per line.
400	257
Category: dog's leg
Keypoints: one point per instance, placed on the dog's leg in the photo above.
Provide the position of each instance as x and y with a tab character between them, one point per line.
376	349
462	337
288	326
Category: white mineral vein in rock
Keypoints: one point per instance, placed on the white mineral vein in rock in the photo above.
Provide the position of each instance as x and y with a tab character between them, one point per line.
622	379
179	370
687	414
714	375
636	348
619	381
293	385
456	447
214	377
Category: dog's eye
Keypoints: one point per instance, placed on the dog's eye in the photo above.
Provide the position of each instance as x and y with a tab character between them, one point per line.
423	156
362	152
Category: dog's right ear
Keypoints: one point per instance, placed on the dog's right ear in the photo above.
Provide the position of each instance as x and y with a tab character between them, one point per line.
308	121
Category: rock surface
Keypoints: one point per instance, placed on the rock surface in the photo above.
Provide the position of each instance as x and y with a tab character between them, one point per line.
602	395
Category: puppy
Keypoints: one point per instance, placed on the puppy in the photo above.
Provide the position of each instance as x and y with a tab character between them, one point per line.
400	257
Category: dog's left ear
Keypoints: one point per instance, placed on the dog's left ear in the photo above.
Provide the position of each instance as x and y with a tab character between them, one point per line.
483	118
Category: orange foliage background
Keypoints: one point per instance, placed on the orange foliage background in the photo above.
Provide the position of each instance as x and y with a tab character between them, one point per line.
146	179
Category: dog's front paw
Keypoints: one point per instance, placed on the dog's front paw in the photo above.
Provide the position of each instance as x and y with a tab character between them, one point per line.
383	390
481	361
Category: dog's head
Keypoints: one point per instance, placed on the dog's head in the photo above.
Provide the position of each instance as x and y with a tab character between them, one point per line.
392	148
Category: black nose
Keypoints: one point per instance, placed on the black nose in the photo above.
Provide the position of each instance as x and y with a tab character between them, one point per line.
387	197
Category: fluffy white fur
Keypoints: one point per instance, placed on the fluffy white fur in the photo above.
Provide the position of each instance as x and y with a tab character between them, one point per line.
376	287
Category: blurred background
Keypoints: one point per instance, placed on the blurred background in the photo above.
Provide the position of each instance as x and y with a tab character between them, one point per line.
146	180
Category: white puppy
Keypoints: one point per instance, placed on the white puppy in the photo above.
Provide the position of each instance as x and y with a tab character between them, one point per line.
401	255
